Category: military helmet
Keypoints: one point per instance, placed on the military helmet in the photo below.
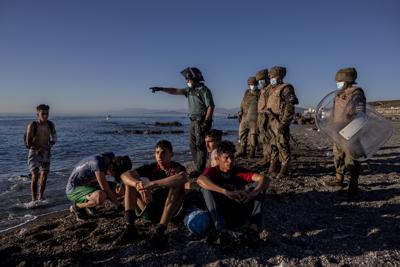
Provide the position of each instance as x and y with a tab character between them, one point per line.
252	80
262	74
191	73
346	75
277	71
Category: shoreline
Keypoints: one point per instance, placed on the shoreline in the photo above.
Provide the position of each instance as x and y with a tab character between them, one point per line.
306	222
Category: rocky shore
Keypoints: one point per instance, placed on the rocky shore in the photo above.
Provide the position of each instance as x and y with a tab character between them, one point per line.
306	222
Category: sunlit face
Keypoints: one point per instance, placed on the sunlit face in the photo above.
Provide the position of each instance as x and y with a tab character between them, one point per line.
43	115
211	143
163	156
226	161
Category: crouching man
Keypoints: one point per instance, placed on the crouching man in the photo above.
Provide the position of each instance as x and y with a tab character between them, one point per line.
233	195
153	192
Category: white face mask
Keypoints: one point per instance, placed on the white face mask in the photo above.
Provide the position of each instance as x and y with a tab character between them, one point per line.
190	85
252	87
340	85
274	81
261	83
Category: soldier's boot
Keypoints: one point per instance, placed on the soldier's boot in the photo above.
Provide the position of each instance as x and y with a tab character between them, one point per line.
252	153
272	168
353	188
242	152
283	171
339	181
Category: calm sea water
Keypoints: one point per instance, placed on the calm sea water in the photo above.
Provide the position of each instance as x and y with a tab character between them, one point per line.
79	137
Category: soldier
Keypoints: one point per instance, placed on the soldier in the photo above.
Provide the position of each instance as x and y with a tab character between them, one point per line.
262	120
281	99
201	108
348	102
248	119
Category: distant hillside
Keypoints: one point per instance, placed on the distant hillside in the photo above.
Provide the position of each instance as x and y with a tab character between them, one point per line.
385	103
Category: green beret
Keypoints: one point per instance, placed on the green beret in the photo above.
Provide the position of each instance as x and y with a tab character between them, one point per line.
346	75
251	80
277	71
262	74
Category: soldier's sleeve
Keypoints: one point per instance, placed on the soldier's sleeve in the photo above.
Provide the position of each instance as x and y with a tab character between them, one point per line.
261	101
242	104
290	99
208	98
185	92
359	101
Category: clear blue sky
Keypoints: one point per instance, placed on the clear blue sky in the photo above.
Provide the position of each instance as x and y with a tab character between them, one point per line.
88	56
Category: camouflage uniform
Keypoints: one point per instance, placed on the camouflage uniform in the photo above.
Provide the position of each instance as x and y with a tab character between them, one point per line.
262	120
347	103
281	100
248	132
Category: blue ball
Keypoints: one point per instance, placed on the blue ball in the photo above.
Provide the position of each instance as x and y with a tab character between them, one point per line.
197	221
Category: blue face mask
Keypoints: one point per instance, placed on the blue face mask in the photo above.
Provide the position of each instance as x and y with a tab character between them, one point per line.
261	84
340	85
273	81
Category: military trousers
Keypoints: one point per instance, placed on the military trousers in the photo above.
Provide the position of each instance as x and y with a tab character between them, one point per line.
343	161
280	141
197	132
263	134
248	134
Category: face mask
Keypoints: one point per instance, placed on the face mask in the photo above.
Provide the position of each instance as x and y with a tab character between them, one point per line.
261	83
274	81
340	85
190	85
252	87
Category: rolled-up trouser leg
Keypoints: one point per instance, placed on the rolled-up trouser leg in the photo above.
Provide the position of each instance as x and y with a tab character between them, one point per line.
212	207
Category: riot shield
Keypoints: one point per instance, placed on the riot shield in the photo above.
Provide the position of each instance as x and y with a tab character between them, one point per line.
358	132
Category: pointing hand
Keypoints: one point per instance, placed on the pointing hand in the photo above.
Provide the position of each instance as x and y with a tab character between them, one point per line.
155	89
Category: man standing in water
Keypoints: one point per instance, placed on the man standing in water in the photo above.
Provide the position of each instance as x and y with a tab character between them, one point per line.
201	108
40	136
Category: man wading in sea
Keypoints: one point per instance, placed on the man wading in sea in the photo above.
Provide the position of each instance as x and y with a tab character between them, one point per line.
39	137
201	108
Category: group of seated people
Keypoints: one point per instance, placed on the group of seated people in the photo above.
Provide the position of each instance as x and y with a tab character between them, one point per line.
223	197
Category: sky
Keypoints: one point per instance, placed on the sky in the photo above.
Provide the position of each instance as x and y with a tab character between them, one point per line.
93	56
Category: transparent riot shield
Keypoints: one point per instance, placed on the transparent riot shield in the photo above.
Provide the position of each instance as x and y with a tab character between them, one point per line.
359	132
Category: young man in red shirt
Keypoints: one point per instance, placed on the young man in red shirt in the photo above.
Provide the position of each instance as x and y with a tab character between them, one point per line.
233	194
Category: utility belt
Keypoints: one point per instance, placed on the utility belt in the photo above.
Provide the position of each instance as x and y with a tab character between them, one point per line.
196	118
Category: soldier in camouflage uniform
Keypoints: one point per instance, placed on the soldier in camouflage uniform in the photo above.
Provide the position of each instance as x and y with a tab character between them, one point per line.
201	109
248	132
281	100
262	120
348	102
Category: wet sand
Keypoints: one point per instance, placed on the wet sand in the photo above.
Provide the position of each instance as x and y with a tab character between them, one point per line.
306	223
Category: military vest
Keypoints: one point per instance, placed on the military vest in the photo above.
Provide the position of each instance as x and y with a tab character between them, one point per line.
250	98
343	107
274	100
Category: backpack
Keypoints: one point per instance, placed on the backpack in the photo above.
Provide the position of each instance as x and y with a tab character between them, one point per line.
34	125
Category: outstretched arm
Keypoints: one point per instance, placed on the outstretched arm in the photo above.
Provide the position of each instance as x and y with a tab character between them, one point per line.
171	90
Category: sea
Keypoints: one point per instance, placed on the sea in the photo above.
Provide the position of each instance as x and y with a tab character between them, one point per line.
79	137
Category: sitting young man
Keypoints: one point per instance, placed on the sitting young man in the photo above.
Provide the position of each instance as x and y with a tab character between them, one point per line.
228	196
157	191
87	186
213	137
